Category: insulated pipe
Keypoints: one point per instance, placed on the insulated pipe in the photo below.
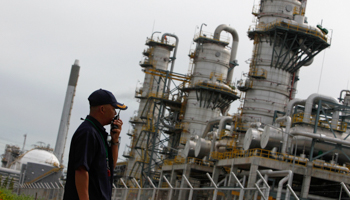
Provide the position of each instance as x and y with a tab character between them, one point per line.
286	134
235	41
280	186
289	178
174	56
292	103
295	84
176	46
209	125
295	131
341	94
223	121
311	100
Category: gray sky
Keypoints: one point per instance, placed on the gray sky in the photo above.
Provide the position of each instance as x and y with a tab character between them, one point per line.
41	39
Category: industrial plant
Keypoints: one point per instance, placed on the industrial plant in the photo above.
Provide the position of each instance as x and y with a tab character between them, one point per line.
184	143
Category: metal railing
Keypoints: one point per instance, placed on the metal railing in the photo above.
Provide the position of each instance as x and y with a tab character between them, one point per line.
261	73
204	34
188	160
279	22
299	117
258	153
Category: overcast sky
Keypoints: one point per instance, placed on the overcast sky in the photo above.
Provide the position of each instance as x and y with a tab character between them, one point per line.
39	41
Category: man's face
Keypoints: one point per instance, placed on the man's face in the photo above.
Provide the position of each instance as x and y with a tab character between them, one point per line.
109	113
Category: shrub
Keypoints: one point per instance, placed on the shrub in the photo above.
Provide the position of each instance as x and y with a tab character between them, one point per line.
8	195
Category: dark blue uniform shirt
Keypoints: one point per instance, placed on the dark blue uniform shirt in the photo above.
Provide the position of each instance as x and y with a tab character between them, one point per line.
88	149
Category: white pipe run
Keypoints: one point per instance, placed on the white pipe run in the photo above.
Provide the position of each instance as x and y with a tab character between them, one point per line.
235	41
286	134
223	121
313	99
297	132
293	103
288	177
209	125
175	50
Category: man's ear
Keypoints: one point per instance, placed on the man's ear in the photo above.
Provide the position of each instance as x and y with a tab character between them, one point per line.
102	109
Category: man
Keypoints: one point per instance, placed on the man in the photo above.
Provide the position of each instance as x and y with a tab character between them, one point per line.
91	158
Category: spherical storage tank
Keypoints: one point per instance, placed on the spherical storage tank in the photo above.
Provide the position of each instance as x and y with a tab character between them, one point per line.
36	156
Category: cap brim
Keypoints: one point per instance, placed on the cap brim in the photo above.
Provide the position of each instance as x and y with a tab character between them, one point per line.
120	106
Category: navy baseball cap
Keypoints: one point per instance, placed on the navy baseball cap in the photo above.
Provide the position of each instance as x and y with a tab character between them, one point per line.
102	97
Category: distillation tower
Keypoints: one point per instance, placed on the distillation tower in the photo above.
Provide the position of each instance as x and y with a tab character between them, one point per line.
275	146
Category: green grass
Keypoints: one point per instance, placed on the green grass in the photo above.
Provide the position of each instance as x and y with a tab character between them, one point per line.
8	195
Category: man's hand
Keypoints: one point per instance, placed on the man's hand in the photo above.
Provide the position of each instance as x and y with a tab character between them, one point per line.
116	132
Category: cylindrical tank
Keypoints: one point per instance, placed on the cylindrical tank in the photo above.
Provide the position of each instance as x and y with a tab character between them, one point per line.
211	64
211	59
202	148
251	139
197	116
272	10
158	57
272	87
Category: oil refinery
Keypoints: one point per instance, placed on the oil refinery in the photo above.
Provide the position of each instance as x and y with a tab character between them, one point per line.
184	143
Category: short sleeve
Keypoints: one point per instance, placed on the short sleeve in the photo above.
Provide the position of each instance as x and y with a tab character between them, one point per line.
85	145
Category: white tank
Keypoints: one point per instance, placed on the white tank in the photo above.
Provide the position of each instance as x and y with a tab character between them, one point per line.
158	57
210	59
272	91
211	64
277	9
36	156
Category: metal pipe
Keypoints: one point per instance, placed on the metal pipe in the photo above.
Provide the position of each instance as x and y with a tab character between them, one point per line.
286	134
200	31
311	100
223	121
292	103
296	131
280	186
154	33
235	41
209	125
175	50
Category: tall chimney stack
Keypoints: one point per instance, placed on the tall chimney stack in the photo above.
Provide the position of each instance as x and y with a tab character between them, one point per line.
67	108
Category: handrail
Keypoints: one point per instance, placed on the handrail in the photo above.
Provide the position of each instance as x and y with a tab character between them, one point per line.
209	35
299	117
298	27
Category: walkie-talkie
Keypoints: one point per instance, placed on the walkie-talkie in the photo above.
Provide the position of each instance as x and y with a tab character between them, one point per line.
114	126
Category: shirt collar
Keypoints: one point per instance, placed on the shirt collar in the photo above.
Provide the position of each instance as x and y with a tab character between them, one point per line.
98	125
